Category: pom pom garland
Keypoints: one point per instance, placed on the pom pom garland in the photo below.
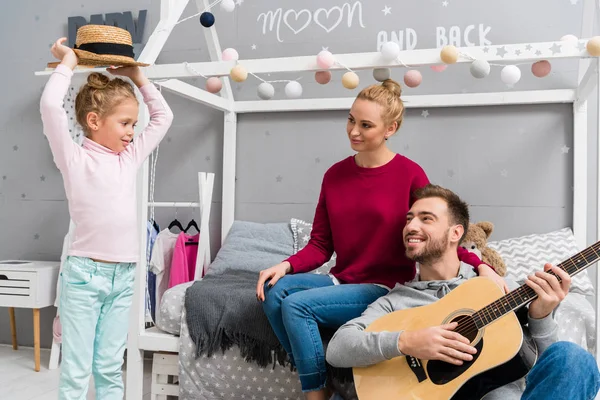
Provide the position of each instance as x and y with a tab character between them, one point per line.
214	84
449	54
293	90
325	59
207	19
510	74
593	46
323	77
230	54
413	78
238	73
381	74
350	80
266	91
541	69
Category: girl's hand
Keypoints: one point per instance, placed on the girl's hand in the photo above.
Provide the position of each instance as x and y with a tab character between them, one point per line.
65	54
273	274
133	73
485	270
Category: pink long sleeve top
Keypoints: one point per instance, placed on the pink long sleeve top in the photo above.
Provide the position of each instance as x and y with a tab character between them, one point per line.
100	184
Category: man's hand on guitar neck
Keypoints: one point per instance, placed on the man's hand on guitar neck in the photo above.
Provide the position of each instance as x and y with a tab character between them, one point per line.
437	343
550	292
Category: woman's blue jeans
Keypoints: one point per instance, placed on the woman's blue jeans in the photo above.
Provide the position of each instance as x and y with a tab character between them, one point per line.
298	304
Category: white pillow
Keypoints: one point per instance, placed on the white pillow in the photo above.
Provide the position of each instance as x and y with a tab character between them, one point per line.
526	254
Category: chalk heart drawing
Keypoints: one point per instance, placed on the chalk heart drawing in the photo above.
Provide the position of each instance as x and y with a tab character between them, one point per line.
297	16
297	21
327	13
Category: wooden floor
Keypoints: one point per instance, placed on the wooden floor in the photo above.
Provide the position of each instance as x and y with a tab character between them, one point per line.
18	380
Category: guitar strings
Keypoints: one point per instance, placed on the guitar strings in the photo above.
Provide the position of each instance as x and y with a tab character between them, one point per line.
467	324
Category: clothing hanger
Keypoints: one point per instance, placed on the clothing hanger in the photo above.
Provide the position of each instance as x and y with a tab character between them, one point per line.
190	241
176	224
192	224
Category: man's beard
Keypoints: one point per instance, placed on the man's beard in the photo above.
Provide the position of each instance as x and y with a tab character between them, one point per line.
433	250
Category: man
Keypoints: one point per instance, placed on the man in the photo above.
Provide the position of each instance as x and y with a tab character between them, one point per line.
436	224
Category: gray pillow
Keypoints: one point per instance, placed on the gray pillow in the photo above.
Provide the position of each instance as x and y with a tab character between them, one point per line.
301	231
253	246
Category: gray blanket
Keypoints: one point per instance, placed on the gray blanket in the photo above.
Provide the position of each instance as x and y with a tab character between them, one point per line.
222	311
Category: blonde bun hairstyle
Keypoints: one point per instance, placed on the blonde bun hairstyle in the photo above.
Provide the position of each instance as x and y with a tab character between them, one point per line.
100	95
387	95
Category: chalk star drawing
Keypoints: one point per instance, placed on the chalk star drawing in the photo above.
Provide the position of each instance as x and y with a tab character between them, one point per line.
207	158
504	173
36	236
501	51
528	47
42	178
279	178
445	3
387	10
564	149
538	53
253	47
555	48
486	49
424	113
518	52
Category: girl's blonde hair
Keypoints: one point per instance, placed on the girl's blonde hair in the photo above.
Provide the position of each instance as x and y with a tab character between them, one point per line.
387	95
100	95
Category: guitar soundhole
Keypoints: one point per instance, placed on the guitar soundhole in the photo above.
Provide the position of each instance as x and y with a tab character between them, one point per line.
441	372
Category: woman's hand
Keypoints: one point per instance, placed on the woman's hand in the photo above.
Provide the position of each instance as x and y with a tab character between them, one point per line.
65	54
273	274
485	270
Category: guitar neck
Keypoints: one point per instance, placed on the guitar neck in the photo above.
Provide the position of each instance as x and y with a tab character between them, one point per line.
524	294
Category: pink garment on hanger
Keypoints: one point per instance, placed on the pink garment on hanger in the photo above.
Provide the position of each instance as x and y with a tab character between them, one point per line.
183	264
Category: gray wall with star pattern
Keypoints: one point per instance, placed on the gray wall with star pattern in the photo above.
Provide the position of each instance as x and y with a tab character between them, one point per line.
513	164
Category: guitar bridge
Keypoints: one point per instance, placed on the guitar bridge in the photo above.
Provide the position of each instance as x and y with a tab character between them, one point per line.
416	367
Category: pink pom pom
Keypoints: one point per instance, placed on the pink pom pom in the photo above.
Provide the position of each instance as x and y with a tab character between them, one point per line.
439	68
541	68
325	59
323	77
413	78
213	84
230	54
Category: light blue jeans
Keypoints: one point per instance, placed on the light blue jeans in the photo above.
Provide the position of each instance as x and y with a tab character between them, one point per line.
299	304
94	312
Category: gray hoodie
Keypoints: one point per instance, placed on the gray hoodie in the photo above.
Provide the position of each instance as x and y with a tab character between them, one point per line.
351	346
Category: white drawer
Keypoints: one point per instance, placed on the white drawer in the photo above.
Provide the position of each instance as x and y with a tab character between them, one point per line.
18	288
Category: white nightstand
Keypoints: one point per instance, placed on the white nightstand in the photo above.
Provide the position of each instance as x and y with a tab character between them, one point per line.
28	284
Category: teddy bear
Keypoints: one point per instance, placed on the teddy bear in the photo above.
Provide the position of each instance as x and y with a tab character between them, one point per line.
475	241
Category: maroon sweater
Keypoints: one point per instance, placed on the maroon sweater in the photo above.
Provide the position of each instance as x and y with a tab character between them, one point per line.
360	215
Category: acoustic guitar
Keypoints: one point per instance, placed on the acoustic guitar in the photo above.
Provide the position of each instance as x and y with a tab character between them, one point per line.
486	317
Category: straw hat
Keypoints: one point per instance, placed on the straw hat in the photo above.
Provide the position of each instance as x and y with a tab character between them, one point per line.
104	45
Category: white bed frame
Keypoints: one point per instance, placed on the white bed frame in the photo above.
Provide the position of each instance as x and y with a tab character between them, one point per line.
167	76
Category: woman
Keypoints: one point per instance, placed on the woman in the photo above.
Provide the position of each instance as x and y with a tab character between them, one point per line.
360	215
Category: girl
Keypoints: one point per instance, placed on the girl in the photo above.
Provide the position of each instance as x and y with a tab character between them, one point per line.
100	184
360	215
